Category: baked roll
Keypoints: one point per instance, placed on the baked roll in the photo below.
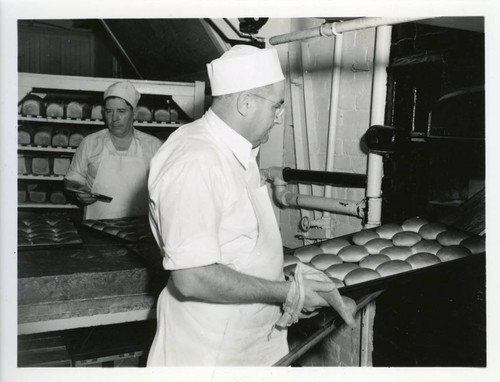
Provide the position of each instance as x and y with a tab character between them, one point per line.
393	267
387	231
333	246
325	260
360	275
305	254
453	252
363	237
353	253
422	259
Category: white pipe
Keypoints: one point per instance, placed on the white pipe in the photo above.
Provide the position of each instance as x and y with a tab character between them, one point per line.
287	198
342	206
299	135
310	122
336	28
379	91
332	123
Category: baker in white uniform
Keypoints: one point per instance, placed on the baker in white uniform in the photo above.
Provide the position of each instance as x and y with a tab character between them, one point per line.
114	161
214	223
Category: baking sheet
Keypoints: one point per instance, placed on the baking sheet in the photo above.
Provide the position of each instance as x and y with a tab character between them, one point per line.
381	283
36	233
129	229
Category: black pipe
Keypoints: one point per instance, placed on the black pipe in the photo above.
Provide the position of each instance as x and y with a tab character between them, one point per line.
339	179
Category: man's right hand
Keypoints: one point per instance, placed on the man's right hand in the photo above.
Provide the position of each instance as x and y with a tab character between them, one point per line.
312	291
323	294
85	199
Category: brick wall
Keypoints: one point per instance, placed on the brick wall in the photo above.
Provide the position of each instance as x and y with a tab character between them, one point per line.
343	346
310	66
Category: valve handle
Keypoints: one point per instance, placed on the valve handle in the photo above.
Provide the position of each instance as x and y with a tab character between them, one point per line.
304	224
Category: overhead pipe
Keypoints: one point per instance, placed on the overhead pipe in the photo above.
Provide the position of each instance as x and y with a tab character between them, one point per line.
120	47
337	27
377	116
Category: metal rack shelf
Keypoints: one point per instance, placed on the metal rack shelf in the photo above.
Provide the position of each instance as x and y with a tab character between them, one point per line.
51	149
60	120
93	122
47	205
188	97
40	177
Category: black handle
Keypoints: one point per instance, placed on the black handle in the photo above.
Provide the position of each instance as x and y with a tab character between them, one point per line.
340	179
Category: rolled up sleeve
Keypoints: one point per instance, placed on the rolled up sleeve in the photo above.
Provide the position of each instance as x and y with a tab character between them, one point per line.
78	168
185	212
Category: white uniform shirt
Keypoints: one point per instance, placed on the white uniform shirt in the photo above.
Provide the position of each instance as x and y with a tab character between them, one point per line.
200	211
87	158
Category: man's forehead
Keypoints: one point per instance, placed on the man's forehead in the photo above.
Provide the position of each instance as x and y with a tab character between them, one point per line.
280	89
115	102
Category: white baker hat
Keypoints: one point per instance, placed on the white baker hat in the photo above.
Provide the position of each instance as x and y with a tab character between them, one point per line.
244	67
125	90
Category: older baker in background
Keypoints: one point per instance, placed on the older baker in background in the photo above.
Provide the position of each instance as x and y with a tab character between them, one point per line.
114	161
216	228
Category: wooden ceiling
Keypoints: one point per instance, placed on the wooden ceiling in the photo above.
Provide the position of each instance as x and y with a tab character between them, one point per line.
177	49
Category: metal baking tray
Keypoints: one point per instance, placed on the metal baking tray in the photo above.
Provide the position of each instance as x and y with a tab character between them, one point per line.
127	230
382	283
50	243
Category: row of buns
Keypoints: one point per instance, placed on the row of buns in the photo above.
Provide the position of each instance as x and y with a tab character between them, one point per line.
386	250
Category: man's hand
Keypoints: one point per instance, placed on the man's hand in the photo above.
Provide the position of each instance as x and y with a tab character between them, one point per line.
312	291
84	197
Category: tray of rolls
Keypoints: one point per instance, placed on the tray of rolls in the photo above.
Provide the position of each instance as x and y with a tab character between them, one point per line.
389	251
46	232
129	229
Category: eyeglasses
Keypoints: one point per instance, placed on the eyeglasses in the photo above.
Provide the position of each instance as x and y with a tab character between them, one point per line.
279	107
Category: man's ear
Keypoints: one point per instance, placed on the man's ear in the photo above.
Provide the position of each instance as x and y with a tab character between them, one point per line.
244	104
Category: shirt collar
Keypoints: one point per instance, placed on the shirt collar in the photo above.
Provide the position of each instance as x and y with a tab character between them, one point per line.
239	146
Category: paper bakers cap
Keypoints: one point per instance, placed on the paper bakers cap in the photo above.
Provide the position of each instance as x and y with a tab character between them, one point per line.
124	90
244	67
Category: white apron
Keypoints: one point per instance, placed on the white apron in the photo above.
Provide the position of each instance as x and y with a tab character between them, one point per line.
192	333
124	178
